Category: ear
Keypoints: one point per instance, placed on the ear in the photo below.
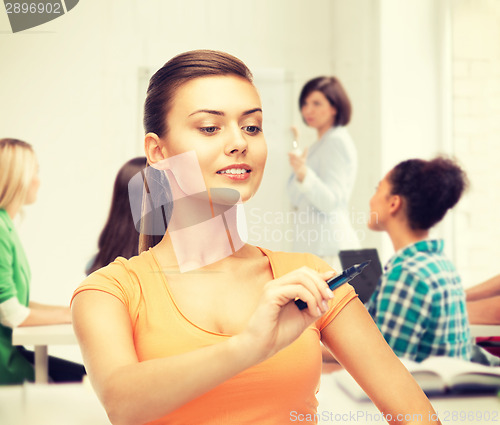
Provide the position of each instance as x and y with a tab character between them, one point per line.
395	204
155	148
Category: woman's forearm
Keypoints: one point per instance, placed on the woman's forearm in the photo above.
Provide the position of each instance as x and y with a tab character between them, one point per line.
46	315
168	383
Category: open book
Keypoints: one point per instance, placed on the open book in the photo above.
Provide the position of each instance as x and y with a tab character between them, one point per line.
438	375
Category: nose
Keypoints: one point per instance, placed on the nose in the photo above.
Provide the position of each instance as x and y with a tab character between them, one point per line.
236	143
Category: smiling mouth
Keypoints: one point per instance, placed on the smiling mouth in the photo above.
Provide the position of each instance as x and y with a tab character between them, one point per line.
234	171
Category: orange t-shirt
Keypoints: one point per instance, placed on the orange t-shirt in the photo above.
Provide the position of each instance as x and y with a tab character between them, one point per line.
272	392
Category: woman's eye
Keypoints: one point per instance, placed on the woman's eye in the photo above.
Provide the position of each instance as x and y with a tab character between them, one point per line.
209	130
252	129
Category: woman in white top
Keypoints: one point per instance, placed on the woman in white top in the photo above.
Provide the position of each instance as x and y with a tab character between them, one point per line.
323	176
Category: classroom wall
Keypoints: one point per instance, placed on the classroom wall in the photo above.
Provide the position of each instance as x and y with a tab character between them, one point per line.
476	128
393	56
411	97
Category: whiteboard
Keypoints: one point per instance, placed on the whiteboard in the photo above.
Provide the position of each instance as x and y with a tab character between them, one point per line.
268	213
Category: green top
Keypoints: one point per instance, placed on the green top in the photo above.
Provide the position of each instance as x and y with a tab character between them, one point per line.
15	276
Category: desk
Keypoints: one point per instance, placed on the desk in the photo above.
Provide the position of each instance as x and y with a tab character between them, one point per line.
41	337
484	330
51	404
337	407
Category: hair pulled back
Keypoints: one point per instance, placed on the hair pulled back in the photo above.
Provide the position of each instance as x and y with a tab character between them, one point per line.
429	188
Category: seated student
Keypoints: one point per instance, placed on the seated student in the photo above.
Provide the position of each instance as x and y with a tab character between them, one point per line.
119	237
419	303
19	184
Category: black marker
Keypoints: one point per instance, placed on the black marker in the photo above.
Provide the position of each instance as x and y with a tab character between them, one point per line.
336	281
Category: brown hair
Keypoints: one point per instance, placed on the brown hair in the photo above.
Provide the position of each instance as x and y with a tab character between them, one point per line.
179	70
334	92
163	86
119	237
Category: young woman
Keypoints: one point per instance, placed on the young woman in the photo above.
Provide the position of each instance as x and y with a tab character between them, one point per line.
224	343
419	304
323	176
19	184
117	238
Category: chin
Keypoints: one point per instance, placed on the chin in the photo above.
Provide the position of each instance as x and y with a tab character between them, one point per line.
374	227
229	195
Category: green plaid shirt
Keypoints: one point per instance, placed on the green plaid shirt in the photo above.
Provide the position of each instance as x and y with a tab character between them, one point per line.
419	304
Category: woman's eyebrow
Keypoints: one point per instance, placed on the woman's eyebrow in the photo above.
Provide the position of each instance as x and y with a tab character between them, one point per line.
251	111
207	111
220	113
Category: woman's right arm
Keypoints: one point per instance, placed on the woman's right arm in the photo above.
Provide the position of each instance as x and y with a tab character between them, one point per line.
104	331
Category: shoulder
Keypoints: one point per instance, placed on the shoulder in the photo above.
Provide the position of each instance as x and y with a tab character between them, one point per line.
6	241
420	272
4	227
284	262
338	135
121	278
338	141
134	268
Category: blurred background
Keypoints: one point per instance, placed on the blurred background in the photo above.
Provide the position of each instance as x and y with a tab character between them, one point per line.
423	77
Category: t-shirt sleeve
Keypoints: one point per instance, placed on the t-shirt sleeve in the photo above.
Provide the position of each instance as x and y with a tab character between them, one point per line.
7	286
114	279
342	295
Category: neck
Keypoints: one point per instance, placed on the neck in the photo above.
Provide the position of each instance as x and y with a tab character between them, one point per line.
402	235
195	241
12	210
323	130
